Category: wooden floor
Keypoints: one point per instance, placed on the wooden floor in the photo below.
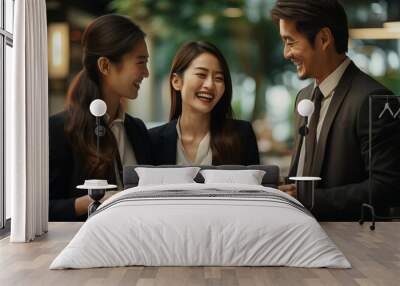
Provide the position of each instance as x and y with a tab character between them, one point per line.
375	256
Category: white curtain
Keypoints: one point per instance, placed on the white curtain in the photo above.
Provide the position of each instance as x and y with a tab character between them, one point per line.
27	124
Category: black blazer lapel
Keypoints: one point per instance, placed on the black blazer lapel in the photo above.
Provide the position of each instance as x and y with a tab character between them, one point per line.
169	142
337	100
133	133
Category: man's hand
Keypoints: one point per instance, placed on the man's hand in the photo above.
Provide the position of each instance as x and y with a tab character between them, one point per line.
289	189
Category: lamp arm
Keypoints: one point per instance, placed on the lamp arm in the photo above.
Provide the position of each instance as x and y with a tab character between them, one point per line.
97	137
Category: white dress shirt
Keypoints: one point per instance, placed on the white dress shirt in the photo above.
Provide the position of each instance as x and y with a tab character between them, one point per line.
203	154
327	88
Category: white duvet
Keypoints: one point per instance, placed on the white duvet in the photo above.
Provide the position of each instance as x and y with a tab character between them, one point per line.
185	230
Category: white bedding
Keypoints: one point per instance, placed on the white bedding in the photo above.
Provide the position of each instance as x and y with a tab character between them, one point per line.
187	230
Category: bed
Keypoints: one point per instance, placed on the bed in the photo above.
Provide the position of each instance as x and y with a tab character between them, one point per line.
201	224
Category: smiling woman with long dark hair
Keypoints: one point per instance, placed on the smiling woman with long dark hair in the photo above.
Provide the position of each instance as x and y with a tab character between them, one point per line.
114	65
202	130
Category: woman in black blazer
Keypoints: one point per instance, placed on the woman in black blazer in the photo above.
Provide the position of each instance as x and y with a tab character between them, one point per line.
114	64
202	130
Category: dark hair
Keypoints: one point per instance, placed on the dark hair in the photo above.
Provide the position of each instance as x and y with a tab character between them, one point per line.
110	36
313	15
224	141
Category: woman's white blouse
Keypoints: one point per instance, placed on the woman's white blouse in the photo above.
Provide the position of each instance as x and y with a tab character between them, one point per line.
203	154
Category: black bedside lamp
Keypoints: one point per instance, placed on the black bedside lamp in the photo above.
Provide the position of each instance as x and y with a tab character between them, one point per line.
97	188
305	185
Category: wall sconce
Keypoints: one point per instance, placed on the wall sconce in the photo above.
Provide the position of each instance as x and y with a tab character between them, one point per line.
58	50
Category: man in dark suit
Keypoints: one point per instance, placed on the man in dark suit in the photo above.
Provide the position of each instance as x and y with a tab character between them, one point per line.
315	36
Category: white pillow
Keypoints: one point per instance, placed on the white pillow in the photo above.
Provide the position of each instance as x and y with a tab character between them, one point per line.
248	177
164	176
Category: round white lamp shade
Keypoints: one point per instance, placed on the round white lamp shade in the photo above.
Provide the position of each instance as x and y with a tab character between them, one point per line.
305	107
98	107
